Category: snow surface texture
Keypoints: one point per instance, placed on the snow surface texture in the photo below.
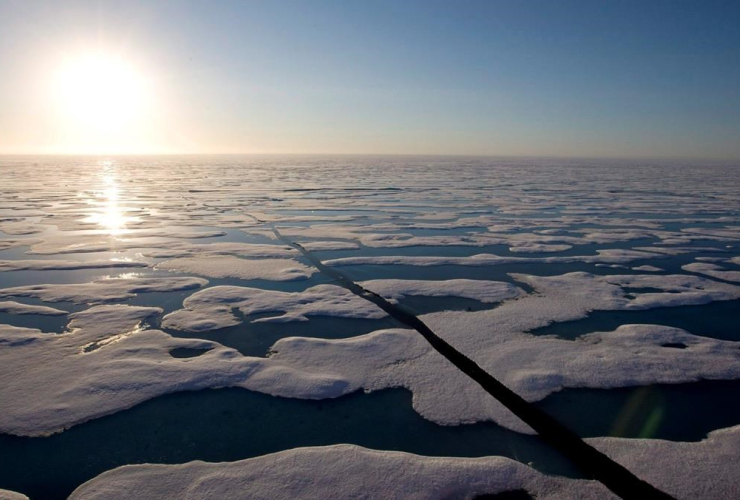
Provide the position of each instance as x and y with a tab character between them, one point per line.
647	269
706	470
13	307
513	235
107	362
107	349
602	257
534	367
211	308
234	267
65	265
340	471
187	249
11	495
712	270
104	290
88	243
483	291
538	215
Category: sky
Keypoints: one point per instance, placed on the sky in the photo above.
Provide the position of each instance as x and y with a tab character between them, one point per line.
586	78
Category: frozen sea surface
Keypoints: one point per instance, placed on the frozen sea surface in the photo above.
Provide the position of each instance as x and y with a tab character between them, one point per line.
157	310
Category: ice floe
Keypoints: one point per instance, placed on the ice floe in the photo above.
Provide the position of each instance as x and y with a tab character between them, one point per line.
534	367
480	290
187	249
538	248
340	471
102	365
228	266
108	360
105	349
607	256
320	246
20	228
11	495
496	339
103	319
7	243
102	290
647	269
66	265
706	470
92	242
713	270
211	308
12	307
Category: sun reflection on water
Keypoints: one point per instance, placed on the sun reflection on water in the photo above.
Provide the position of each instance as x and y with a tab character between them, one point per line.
110	215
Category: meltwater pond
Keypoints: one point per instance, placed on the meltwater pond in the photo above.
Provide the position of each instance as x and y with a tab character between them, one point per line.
233	424
717	320
215	338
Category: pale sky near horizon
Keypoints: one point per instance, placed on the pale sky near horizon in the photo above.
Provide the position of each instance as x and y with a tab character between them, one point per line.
519	77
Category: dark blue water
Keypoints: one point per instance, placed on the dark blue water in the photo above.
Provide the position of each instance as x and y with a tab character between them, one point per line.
446	272
256	339
681	412
718	320
233	424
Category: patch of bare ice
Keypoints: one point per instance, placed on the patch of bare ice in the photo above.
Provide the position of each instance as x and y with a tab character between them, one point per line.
211	308
713	270
12	307
480	290
706	470
339	471
229	266
66	265
102	290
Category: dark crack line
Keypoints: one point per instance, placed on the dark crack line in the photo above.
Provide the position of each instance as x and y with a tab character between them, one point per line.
592	462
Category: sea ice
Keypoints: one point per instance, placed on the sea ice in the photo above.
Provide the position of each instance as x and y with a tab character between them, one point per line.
211	308
713	270
66	265
228	266
339	471
251	250
647	269
607	256
102	290
11	495
12	307
706	470
483	291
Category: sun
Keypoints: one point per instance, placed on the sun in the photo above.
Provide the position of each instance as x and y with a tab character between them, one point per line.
100	98
100	90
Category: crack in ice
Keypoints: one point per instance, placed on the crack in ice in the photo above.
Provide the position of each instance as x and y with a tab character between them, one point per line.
594	463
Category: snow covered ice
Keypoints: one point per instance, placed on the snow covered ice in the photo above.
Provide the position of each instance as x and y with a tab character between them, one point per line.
101	313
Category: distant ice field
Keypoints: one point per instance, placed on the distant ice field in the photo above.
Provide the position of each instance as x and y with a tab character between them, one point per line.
161	310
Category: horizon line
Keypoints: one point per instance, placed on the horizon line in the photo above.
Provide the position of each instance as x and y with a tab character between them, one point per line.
431	155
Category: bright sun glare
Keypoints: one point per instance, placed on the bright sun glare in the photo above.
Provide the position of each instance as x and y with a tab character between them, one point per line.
108	213
101	98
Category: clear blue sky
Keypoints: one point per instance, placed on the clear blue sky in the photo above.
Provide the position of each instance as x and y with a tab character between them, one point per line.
572	78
